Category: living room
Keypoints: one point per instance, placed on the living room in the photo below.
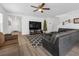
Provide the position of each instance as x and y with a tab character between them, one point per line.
18	21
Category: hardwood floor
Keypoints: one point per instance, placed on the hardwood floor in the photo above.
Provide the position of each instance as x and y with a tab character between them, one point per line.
27	49
10	50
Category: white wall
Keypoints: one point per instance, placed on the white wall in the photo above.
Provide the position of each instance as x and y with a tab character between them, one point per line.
4	24
52	23
70	15
25	23
1	22
14	23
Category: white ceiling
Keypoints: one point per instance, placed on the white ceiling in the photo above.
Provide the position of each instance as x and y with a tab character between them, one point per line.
55	8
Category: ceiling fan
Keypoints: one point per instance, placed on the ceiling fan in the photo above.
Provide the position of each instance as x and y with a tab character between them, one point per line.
40	8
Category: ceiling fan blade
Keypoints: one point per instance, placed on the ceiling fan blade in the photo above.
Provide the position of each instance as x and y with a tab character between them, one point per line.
46	8
34	6
42	5
35	10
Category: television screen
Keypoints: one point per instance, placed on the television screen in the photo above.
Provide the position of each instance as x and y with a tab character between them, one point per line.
34	25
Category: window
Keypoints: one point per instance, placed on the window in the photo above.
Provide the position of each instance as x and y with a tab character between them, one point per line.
1	22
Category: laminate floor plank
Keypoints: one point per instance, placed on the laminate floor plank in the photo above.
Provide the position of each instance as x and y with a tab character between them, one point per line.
33	51
10	50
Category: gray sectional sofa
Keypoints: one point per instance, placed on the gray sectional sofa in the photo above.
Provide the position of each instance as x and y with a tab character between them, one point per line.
59	44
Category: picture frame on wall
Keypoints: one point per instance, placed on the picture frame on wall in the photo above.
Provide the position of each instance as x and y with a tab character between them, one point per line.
76	20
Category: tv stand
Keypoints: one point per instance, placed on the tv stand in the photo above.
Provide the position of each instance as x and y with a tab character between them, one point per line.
33	31
34	27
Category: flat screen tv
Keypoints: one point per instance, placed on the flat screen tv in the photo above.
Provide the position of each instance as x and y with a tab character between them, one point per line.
34	25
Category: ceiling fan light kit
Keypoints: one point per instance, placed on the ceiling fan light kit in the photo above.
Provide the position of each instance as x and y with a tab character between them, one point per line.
40	8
